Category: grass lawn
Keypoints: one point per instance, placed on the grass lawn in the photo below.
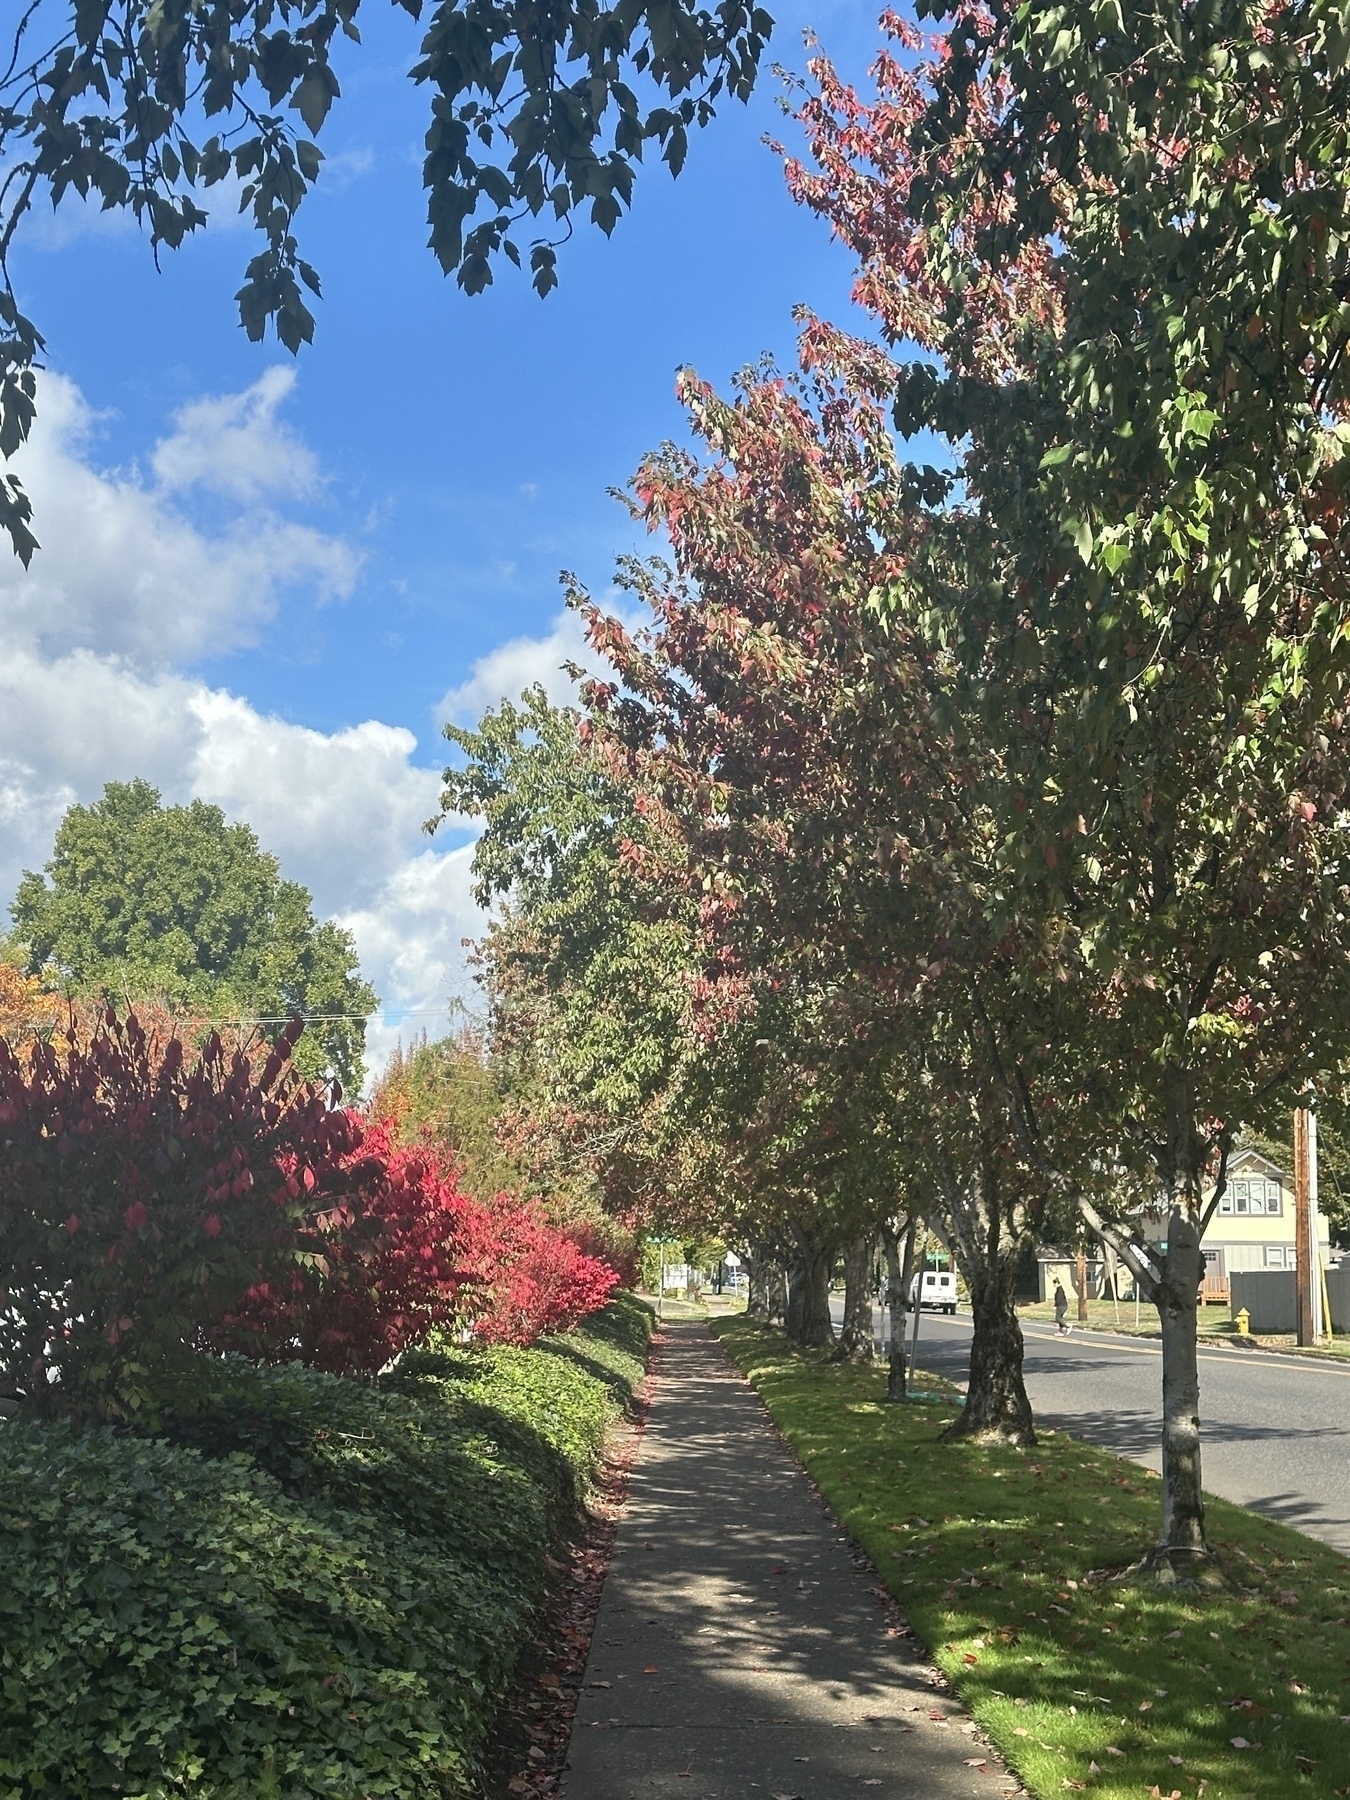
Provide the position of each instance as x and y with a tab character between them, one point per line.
1084	1685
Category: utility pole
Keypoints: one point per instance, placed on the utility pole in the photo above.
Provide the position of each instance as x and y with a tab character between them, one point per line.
1320	1325
1303	1213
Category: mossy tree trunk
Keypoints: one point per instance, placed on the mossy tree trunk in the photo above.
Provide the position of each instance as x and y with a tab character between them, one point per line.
808	1302
856	1336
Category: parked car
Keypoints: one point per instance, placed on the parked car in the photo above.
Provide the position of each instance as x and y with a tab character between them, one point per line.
938	1290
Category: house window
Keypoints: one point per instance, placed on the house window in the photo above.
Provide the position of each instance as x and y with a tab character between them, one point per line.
1249	1197
1279	1256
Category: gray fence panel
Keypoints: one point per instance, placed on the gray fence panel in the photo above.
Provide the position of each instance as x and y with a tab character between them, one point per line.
1338	1292
1268	1295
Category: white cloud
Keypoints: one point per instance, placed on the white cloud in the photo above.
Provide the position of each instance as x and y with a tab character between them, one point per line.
508	669
411	943
126	587
344	807
234	444
123	572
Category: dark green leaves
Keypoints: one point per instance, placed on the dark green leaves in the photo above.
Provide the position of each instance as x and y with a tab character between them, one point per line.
173	902
318	1588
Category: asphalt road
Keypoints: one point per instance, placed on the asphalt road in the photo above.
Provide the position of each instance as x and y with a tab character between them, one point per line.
1276	1429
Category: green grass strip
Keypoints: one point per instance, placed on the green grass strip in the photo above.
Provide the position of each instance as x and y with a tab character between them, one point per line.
1085	1686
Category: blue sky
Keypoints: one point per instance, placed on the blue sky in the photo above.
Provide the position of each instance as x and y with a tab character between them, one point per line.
269	582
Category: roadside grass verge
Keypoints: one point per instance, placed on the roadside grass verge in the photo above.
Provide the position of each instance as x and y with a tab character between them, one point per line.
1084	1685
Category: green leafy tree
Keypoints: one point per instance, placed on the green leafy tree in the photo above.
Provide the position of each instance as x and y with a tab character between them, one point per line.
1119	241
142	900
587	979
535	115
448	1093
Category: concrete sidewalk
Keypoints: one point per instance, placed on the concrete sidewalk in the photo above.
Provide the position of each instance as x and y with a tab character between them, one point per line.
739	1654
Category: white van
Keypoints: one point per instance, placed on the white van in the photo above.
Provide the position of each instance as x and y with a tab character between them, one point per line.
939	1290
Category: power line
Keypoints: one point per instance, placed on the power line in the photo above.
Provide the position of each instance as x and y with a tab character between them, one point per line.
436	1012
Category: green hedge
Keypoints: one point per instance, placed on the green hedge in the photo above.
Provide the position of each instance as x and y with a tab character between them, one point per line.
314	1586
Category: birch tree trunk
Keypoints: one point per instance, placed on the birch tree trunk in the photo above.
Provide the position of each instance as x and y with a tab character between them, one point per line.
899	1273
856	1339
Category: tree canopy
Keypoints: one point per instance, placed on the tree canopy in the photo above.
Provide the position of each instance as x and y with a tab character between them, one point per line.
446	1092
1002	803
537	112
140	899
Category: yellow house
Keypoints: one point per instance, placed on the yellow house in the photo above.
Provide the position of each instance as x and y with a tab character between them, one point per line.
1253	1227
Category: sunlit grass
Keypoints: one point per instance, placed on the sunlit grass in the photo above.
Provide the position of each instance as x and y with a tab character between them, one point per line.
1084	1684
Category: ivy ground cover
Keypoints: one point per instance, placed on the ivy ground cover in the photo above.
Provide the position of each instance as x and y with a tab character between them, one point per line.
309	1584
1085	1685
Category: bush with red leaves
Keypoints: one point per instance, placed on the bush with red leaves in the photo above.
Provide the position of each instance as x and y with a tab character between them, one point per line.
381	1267
142	1190
533	1278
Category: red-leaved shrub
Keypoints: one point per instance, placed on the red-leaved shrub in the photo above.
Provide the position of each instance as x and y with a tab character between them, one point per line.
533	1278
380	1266
156	1202
142	1190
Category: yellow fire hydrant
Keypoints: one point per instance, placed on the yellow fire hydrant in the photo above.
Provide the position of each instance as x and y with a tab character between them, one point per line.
1243	1320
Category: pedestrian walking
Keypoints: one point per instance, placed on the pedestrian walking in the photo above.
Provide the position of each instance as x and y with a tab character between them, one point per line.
1061	1310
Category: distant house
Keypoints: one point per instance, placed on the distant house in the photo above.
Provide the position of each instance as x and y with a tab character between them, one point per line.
1254	1226
1252	1229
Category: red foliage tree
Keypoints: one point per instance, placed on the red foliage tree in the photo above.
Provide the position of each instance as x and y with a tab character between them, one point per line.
381	1266
141	1192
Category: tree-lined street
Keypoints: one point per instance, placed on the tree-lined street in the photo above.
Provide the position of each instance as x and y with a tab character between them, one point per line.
942	842
1277	1429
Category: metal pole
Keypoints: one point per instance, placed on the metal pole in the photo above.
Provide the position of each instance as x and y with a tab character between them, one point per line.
1303	1309
918	1308
1319	1325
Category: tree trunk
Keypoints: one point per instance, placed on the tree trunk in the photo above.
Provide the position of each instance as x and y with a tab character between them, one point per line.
757	1303
796	1290
808	1302
1080	1285
1183	1551
778	1296
899	1273
997	1408
855	1339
